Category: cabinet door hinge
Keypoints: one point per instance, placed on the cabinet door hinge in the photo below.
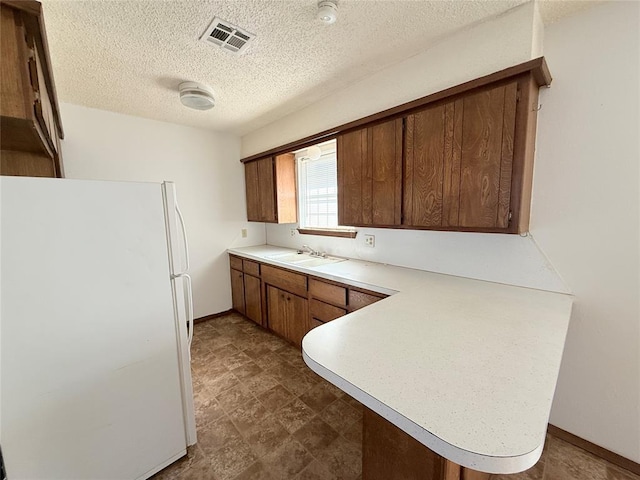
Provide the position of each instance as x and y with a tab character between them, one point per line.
509	217
518	95
404	124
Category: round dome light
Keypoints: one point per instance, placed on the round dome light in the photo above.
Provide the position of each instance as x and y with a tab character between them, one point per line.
197	96
327	11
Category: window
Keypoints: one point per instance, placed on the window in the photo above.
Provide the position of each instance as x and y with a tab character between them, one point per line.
318	187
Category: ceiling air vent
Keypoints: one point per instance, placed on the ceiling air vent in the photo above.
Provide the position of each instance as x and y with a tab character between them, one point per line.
227	36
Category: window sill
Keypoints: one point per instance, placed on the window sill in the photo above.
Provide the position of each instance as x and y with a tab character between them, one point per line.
327	232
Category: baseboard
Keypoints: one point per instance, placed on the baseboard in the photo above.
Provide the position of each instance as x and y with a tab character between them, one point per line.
212	316
596	450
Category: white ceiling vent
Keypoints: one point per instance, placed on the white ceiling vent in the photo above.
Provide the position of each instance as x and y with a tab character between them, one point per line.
227	36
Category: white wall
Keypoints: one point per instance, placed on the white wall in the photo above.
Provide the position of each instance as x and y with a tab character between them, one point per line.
205	167
507	259
586	207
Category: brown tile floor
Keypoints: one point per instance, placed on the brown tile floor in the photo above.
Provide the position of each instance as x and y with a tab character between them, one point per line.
262	414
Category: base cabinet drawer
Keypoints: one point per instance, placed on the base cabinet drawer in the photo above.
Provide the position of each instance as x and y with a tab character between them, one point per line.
235	262
328	292
252	268
324	312
313	323
285	280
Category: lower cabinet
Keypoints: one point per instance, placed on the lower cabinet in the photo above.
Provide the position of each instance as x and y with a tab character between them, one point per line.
389	453
324	312
290	303
237	291
253	298
287	314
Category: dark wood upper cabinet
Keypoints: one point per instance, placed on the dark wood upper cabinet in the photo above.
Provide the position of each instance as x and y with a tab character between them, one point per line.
458	162
432	172
370	175
460	159
30	127
271	189
488	126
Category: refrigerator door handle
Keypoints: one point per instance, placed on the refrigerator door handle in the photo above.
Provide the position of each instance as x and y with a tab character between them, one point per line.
184	238
188	305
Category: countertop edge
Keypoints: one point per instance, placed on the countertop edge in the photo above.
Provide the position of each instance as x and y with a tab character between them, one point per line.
465	458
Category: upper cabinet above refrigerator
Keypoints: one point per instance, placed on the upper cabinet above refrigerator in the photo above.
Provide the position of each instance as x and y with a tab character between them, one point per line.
30	123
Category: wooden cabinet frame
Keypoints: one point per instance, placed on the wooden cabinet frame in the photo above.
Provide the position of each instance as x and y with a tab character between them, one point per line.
270	185
330	299
30	123
528	77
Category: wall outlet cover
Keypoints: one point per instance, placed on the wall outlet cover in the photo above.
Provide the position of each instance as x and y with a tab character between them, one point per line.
370	240
293	232
243	232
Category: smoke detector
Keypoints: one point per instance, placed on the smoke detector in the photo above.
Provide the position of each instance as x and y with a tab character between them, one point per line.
327	11
197	96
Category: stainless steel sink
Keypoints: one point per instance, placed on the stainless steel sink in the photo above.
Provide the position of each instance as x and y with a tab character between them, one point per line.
304	259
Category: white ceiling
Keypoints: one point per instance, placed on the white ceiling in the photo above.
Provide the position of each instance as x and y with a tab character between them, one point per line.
129	56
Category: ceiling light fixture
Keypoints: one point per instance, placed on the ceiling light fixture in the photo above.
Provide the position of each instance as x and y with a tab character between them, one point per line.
309	154
197	96
327	11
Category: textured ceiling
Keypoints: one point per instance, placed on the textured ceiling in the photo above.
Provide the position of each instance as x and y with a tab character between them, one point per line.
129	56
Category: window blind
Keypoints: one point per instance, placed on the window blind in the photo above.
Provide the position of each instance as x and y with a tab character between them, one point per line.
319	192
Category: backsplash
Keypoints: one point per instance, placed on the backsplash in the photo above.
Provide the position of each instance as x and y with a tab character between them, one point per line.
510	259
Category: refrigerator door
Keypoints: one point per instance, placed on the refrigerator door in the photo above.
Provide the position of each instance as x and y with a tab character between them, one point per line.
91	380
182	300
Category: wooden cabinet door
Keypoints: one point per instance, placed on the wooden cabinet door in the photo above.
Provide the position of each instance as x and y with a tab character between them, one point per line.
237	291
354	199
370	175
267	190
253	298
458	162
260	190
254	213
286	196
385	151
432	166
276	310
488	127
297	309
287	314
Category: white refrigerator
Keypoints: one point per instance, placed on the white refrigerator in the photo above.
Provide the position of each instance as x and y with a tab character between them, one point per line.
95	319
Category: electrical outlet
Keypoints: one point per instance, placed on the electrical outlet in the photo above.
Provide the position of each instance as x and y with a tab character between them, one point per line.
243	232
293	232
370	240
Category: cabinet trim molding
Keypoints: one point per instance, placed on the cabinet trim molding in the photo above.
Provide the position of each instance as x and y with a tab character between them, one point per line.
536	67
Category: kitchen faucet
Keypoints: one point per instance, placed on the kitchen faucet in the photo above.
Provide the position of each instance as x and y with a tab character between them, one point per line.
312	252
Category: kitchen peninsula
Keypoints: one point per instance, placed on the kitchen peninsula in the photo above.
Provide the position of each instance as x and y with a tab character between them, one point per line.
467	368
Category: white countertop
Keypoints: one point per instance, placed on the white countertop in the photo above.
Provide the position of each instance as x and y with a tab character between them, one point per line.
466	367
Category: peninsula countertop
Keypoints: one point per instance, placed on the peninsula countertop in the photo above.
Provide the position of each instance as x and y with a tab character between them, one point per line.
466	367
